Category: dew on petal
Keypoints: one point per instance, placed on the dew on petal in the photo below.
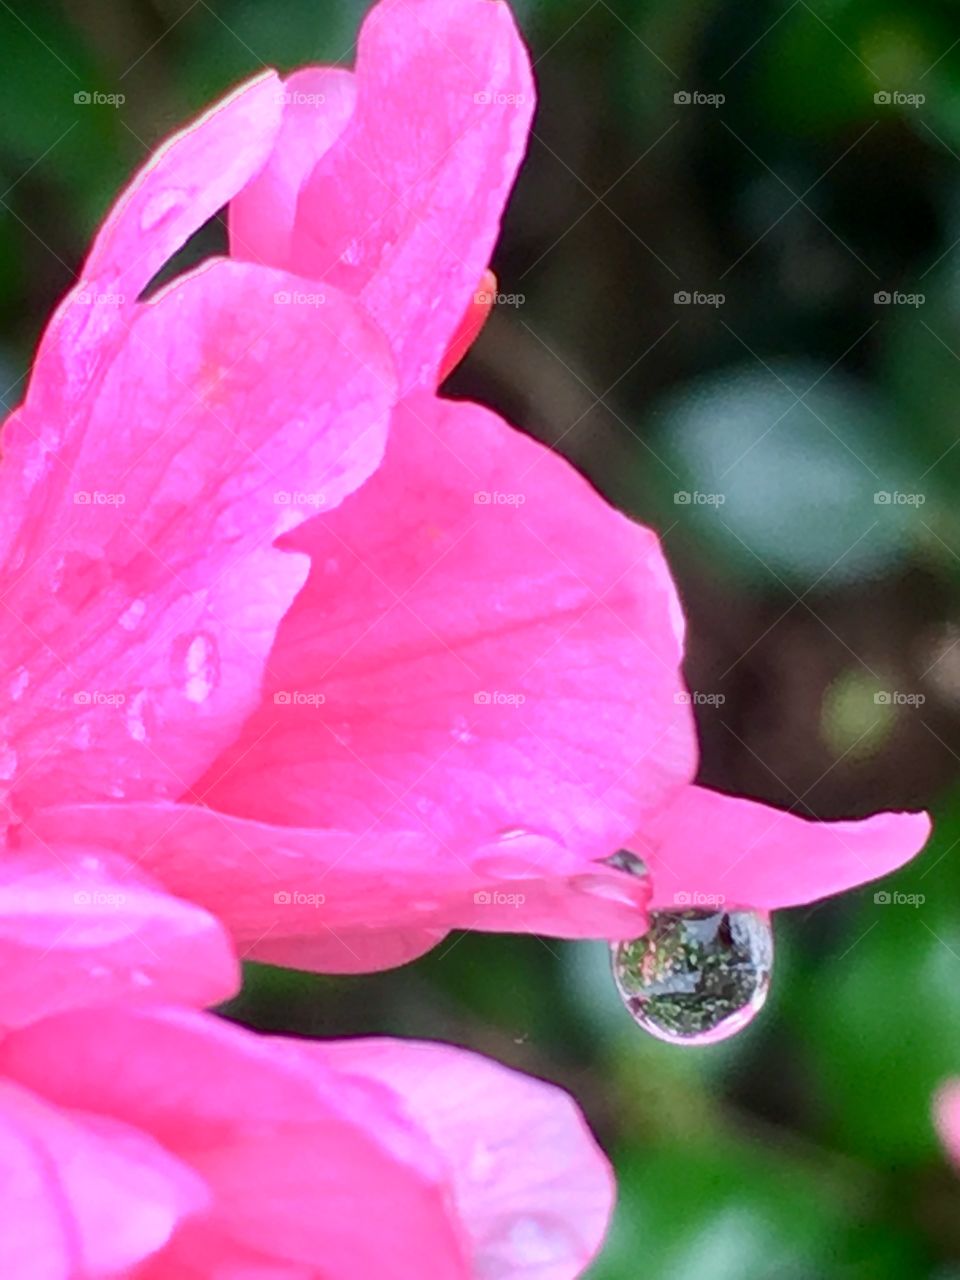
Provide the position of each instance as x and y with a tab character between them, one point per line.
159	206
132	616
8	763
460	731
606	887
624	860
516	854
136	726
524	1241
18	683
201	667
696	977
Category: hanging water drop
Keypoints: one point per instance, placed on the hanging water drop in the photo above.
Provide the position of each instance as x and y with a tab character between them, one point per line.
696	977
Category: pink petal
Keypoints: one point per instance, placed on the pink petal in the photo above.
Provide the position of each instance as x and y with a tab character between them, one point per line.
317	103
74	931
135	629
531	1185
236	1106
718	847
404	208
946	1116
393	732
483	650
82	1194
331	901
185	182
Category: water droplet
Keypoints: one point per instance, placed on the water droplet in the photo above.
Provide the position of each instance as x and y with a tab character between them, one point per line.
624	860
515	1243
201	666
352	253
132	616
158	206
696	977
136	727
460	730
8	763
83	736
18	683
607	887
140	978
517	854
482	1162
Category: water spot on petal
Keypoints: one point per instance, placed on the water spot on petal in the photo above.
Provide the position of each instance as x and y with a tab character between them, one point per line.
8	763
132	616
18	683
160	206
196	660
136	726
608	888
460	730
526	1241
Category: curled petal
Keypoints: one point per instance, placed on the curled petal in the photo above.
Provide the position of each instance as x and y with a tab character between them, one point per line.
317	104
531	1186
404	209
483	655
709	846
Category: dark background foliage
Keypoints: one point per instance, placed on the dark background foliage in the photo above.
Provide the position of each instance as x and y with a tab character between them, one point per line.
784	397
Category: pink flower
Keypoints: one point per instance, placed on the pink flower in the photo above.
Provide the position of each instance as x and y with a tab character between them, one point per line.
452	686
138	1138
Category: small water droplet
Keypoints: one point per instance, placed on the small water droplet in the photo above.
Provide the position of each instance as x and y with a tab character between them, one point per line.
158	206
519	1242
136	727
696	977
517	854
8	763
352	253
460	730
98	971
18	683
140	978
132	616
201	666
482	1162
83	736
607	887
624	860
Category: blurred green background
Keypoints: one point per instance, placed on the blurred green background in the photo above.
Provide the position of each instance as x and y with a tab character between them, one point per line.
793	171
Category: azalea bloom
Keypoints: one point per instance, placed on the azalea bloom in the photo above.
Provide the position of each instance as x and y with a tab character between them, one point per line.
348	663
134	1134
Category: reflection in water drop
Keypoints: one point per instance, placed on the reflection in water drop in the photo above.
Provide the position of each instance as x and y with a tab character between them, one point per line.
696	977
624	860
